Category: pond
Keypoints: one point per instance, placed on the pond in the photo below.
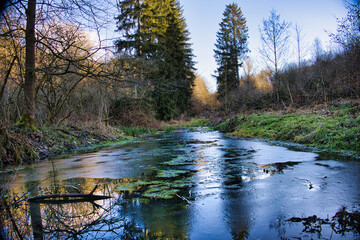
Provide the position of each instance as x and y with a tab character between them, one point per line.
197	184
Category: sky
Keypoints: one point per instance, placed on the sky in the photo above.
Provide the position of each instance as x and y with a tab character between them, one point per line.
315	17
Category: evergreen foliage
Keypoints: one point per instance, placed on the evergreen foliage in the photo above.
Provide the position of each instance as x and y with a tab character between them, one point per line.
129	25
156	32
231	47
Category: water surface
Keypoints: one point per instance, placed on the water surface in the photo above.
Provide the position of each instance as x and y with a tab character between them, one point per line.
235	189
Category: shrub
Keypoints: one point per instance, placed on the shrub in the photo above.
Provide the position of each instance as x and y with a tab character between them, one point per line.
132	113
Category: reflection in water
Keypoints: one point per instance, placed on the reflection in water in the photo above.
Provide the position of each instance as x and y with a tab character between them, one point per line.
124	217
225	189
160	219
233	173
77	220
82	220
238	213
36	221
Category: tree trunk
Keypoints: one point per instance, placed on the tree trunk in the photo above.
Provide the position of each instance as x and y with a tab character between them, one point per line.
36	222
28	117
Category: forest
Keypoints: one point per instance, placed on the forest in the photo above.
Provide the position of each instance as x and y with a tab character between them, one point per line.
55	75
113	134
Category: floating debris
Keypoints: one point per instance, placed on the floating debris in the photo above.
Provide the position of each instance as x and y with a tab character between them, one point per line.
342	222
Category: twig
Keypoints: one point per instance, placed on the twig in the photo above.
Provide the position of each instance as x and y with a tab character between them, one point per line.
92	191
183	198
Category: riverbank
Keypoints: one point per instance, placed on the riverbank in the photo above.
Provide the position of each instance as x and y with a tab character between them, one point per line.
20	145
180	179
332	128
335	127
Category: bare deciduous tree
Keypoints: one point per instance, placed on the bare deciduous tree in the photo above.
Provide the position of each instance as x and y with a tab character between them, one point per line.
301	46
274	36
38	15
28	116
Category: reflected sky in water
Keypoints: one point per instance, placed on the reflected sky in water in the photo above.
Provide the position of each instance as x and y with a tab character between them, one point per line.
242	189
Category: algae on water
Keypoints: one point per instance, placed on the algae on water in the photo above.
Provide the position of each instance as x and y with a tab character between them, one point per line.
182	183
161	191
170	173
164	186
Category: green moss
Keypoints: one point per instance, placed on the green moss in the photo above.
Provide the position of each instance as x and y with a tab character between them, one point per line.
182	183
196	122
153	189
164	186
26	121
160	191
336	131
222	126
127	187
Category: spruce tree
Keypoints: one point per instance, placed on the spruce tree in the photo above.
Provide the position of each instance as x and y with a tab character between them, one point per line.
231	47
157	33
129	24
175	77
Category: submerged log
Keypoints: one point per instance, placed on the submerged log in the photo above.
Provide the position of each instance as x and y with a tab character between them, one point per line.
67	198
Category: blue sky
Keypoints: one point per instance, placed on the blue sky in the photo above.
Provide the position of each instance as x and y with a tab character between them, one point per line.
203	18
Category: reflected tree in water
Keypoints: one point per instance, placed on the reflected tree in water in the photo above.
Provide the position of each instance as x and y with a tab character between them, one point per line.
74	220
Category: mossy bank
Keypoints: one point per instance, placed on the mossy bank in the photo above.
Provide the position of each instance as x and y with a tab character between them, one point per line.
24	145
335	128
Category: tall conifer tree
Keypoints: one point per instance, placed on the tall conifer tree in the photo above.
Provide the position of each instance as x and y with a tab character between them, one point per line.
175	77
163	38
129	24
231	47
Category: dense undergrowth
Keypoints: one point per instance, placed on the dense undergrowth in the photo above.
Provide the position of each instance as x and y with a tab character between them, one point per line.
21	145
336	128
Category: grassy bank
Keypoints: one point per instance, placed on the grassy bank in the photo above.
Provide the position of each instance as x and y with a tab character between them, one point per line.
336	128
21	145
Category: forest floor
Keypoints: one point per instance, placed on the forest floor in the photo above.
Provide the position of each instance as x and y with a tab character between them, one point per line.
335	127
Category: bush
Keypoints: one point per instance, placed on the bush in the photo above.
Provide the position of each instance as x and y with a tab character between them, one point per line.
132	113
14	147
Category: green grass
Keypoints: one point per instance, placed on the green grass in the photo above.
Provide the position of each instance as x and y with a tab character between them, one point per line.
338	131
197	122
192	123
170	128
27	145
135	131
